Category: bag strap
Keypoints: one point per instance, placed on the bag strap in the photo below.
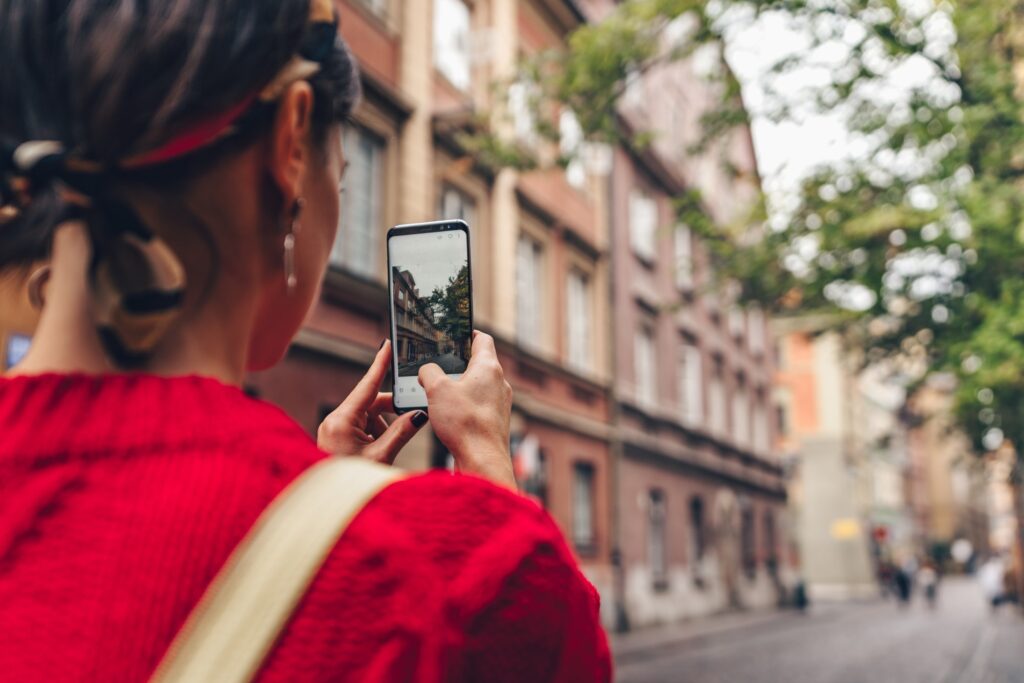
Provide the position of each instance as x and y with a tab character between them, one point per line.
241	614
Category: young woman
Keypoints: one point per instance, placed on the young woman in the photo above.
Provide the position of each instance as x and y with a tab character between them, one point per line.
177	162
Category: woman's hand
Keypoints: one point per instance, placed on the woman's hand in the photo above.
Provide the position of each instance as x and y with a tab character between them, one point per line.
471	415
357	426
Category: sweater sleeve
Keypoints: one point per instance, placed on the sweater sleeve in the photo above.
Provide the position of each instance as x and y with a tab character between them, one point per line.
543	623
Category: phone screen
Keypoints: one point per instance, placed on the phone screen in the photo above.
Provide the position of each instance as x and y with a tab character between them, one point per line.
431	304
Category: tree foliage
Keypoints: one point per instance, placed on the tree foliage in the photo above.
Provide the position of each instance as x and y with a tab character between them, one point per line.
450	306
914	245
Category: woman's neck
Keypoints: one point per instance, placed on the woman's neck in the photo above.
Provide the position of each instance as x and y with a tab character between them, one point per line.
211	342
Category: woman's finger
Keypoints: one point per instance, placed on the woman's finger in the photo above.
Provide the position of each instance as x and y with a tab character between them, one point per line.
382	404
363	396
386	448
376	425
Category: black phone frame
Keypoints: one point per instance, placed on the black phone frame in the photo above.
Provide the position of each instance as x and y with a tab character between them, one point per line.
416	229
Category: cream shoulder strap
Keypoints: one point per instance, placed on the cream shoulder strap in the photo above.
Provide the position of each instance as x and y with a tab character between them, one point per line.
238	619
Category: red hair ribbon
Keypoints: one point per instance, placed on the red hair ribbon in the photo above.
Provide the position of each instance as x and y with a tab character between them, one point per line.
194	137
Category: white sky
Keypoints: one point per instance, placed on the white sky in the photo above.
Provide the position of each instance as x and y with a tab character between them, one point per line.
431	257
790	150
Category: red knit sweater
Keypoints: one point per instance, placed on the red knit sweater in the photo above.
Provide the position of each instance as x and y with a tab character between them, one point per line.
122	496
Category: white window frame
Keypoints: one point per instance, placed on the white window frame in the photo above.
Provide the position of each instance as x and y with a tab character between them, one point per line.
741	415
356	247
762	428
735	321
683	242
453	25
756	330
578	313
454	204
643	224
717	401
645	366
530	292
691	384
584	517
378	7
570	143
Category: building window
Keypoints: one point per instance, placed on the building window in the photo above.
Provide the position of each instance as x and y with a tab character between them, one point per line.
356	246
570	142
522	96
781	419
530	291
644	367
747	548
684	257
697	532
456	205
451	41
643	225
583	533
783	416
578	311
735	322
656	555
741	413
756	330
529	463
771	558
716	399
691	384
378	7
762	428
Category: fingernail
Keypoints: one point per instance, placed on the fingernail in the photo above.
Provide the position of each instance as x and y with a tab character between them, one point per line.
419	418
382	343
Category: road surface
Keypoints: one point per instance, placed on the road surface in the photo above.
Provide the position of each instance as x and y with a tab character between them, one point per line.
960	642
449	362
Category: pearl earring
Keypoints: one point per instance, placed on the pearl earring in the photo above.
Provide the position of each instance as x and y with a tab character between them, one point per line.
290	278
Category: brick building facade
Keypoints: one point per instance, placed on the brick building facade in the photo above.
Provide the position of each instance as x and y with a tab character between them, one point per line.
540	255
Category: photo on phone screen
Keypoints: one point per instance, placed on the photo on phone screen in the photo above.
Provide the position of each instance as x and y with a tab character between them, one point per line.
431	304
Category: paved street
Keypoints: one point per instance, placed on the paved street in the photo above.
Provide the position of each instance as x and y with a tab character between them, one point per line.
449	362
960	642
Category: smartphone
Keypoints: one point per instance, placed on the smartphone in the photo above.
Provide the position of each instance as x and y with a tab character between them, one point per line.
430	287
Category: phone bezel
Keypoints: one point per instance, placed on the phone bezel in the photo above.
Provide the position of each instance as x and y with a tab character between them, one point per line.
416	229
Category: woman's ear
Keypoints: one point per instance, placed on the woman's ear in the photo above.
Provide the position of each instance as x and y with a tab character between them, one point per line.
290	140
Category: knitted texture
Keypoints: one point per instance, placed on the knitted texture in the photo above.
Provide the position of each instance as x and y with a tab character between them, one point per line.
122	496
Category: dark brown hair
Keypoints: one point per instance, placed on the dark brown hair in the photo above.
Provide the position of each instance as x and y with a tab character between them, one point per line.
111	78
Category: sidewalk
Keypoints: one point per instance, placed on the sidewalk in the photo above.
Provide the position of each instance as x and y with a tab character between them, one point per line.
643	643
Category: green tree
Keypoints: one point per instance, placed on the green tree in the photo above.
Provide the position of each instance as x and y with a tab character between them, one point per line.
451	309
914	247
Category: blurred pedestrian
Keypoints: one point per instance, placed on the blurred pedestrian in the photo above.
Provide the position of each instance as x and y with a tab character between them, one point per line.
178	164
990	578
928	579
886	577
902	583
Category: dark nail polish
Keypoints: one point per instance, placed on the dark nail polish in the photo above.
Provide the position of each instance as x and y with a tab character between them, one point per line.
382	343
419	418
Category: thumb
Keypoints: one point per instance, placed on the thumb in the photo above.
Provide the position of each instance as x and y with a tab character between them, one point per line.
387	446
430	375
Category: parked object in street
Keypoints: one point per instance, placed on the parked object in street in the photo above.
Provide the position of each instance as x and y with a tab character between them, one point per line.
800	600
